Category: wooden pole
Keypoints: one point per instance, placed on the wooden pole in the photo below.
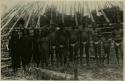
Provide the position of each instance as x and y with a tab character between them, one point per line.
90	12
29	19
9	13
106	18
10	18
115	11
63	13
17	21
76	19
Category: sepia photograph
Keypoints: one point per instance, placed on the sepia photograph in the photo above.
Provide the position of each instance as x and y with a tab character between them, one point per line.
62	40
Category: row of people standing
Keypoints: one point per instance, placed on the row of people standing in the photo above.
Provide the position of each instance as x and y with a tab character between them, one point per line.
57	45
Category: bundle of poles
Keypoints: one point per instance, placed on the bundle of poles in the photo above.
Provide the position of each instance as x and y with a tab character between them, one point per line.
80	12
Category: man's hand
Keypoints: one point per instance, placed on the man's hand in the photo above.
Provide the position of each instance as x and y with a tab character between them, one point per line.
7	48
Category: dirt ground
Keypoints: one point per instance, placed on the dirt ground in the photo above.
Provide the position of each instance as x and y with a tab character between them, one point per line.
102	73
110	72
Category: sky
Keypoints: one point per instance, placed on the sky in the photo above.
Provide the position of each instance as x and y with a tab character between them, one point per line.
63	6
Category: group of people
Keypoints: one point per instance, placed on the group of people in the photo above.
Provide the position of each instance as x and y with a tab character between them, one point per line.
59	46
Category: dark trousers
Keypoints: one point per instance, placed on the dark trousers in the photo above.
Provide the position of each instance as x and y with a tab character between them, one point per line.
87	54
15	60
107	52
121	51
100	56
59	56
96	52
81	52
37	57
53	53
73	53
117	53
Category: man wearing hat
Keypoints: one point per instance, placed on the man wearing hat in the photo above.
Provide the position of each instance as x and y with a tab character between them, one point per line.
73	45
62	46
52	44
13	50
26	48
95	44
107	46
81	45
117	42
36	51
44	48
100	44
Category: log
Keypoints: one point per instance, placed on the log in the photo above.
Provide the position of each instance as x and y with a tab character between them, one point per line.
5	59
44	74
5	66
